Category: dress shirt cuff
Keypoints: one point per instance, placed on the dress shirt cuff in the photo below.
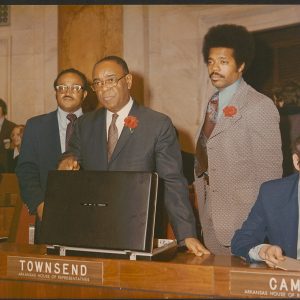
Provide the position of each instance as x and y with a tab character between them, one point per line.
253	253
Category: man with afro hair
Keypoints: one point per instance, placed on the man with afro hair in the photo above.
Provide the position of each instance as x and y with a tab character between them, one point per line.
238	142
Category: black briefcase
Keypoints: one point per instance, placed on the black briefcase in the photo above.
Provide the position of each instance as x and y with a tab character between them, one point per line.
102	213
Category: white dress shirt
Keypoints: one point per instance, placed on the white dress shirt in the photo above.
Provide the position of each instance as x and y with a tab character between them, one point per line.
123	113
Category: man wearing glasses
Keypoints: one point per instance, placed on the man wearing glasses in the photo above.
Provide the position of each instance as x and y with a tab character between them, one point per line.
132	138
46	138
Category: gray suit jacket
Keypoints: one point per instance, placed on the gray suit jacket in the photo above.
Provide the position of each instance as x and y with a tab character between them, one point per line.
152	146
243	152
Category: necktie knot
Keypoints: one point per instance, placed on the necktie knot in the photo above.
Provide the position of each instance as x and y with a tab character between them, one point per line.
71	117
114	118
215	97
212	107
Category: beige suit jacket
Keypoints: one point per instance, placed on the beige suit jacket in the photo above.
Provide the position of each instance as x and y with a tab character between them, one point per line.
243	151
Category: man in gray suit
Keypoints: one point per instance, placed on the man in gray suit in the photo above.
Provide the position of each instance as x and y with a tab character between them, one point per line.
124	136
238	142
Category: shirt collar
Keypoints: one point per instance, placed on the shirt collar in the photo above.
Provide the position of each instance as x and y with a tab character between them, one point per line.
62	115
226	95
123	112
230	90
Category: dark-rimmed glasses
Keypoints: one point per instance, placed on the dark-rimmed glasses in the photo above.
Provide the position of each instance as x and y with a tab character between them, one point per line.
108	83
62	88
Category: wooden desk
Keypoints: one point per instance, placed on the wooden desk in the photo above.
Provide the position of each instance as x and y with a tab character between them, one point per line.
24	274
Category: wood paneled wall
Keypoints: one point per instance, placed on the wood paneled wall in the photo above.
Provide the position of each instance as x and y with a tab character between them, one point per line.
86	33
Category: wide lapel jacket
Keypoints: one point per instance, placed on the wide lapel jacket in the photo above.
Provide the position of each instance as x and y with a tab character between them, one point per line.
239	100
126	134
91	139
247	147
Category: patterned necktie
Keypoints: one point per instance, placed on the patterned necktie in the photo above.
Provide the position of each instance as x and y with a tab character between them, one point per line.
70	127
211	115
112	136
210	121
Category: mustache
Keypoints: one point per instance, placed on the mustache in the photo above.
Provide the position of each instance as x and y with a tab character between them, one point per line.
215	73
67	96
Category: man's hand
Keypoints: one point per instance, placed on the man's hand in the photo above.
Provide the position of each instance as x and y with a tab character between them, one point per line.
272	254
69	163
39	210
195	246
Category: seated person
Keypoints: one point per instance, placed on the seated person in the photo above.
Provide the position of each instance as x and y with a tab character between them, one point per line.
271	229
14	151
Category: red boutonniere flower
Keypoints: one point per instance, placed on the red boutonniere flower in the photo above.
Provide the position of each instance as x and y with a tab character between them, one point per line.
131	122
229	111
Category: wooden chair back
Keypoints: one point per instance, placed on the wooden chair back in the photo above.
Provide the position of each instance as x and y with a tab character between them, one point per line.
14	216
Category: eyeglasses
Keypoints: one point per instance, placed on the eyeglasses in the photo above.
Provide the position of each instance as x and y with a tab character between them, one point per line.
108	83
75	88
